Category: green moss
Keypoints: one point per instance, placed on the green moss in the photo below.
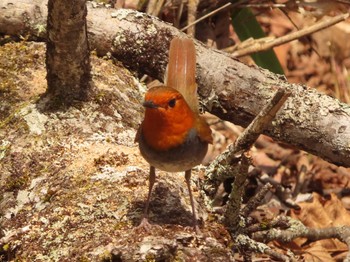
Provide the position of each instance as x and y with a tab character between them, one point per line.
106	99
11	118
121	225
6	247
107	257
112	159
100	96
4	250
16	182
84	259
50	193
15	59
150	258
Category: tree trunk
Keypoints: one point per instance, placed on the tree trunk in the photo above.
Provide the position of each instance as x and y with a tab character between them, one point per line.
67	53
229	89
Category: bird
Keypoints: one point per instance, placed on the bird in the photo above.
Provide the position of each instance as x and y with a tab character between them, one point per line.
173	136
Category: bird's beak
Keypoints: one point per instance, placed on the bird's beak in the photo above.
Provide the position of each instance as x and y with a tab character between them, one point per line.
150	104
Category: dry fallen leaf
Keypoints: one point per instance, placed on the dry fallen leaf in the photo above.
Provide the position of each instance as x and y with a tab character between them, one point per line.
321	213
317	253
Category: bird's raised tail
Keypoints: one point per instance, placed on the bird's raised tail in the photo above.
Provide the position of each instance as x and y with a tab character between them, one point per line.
181	71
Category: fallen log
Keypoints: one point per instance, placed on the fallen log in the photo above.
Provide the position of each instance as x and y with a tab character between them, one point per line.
233	91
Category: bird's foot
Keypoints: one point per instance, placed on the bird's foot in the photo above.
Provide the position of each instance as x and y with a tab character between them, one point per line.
197	230
194	229
146	226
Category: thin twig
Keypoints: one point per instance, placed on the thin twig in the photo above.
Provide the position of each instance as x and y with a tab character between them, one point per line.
261	121
154	7
206	16
224	166
283	193
255	201
278	256
151	7
179	14
232	214
243	144
191	16
300	183
262	44
265	5
280	222
297	27
214	12
246	243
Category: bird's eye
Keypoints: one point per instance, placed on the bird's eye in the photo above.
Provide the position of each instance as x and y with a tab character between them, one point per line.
172	102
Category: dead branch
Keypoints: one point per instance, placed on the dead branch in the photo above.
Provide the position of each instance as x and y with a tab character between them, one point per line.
222	167
264	44
154	7
255	201
297	229
283	193
229	89
192	6
246	243
232	214
212	13
280	222
260	122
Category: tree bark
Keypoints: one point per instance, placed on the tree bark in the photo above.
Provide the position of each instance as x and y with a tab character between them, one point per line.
229	89
67	51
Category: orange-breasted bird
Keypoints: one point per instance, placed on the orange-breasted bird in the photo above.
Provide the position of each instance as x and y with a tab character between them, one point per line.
173	137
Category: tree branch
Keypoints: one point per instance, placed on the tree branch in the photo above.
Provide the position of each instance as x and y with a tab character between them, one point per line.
263	44
255	201
229	89
297	229
246	243
224	166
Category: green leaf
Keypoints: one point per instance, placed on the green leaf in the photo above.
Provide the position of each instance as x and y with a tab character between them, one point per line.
246	26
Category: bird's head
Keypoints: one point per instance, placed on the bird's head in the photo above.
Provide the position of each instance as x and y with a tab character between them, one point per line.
168	118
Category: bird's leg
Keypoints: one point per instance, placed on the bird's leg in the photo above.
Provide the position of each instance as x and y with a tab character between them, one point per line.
152	178
188	182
